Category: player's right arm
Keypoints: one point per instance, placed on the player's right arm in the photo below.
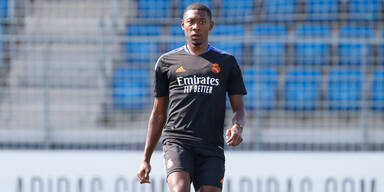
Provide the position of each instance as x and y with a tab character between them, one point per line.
155	127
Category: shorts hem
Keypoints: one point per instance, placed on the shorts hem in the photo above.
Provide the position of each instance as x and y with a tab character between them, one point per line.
221	186
178	170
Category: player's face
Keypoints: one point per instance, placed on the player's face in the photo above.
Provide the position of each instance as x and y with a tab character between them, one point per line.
196	25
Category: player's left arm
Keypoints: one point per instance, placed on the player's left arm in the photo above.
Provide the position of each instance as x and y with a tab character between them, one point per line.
234	134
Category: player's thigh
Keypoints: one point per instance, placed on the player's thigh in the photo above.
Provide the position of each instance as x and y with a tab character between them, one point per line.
209	172
207	188
178	158
179	181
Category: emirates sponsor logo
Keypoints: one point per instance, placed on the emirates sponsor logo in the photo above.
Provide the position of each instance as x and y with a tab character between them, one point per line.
195	84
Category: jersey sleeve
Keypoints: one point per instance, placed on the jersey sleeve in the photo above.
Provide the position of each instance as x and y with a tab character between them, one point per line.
161	80
235	81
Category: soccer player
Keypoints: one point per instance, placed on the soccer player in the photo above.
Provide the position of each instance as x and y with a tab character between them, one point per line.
194	80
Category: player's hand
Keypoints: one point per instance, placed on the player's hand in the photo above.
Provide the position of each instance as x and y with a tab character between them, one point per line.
233	136
143	173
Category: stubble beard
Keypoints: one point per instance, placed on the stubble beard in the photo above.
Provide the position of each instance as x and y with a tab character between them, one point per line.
196	44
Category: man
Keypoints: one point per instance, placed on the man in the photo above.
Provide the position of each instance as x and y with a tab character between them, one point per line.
194	80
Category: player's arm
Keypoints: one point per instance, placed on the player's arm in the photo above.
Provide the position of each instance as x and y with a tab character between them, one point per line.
233	135
155	127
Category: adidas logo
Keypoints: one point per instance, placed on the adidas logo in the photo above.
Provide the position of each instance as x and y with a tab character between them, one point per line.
180	69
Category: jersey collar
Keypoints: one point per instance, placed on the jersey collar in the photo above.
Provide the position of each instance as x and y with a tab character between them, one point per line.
187	50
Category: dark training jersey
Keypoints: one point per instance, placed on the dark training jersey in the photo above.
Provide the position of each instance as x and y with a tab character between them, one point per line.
196	86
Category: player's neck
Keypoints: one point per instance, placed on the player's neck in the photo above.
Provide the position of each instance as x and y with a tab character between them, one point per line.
197	50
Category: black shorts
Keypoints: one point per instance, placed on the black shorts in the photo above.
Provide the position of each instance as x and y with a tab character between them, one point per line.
204	163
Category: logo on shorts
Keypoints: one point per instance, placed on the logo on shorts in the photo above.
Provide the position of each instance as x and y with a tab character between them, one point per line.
215	68
169	163
180	69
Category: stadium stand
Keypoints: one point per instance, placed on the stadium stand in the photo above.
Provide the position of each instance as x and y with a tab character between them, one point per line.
269	52
154	9
2	49
302	89
364	10
344	89
140	52
235	48
352	52
312	53
130	89
237	10
185	3
262	87
324	10
72	63
177	32
378	91
381	47
3	9
279	10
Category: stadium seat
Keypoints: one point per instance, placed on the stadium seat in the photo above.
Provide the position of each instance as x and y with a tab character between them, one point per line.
2	48
270	30
344	90
378	91
269	53
279	10
364	10
232	10
235	48
142	52
184	4
262	89
130	89
355	53
154	9
382	48
322	10
302	89
177	32
312	53
3	9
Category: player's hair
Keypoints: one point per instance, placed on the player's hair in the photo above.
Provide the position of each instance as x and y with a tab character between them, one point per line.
200	7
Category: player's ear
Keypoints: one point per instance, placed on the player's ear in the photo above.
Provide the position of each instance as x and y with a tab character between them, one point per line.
211	24
182	24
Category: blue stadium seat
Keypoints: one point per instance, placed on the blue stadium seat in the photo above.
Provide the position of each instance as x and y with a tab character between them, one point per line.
262	89
235	48
312	53
154	9
303	89
382	48
279	10
322	10
143	51
269	53
353	53
228	30
231	9
378	91
2	48
184	4
3	9
130	89
364	10
344	90
270	30
177	32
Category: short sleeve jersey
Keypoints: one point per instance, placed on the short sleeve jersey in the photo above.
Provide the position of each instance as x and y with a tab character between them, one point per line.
197	86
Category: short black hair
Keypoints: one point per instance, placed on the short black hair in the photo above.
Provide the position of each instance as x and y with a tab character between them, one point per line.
200	7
